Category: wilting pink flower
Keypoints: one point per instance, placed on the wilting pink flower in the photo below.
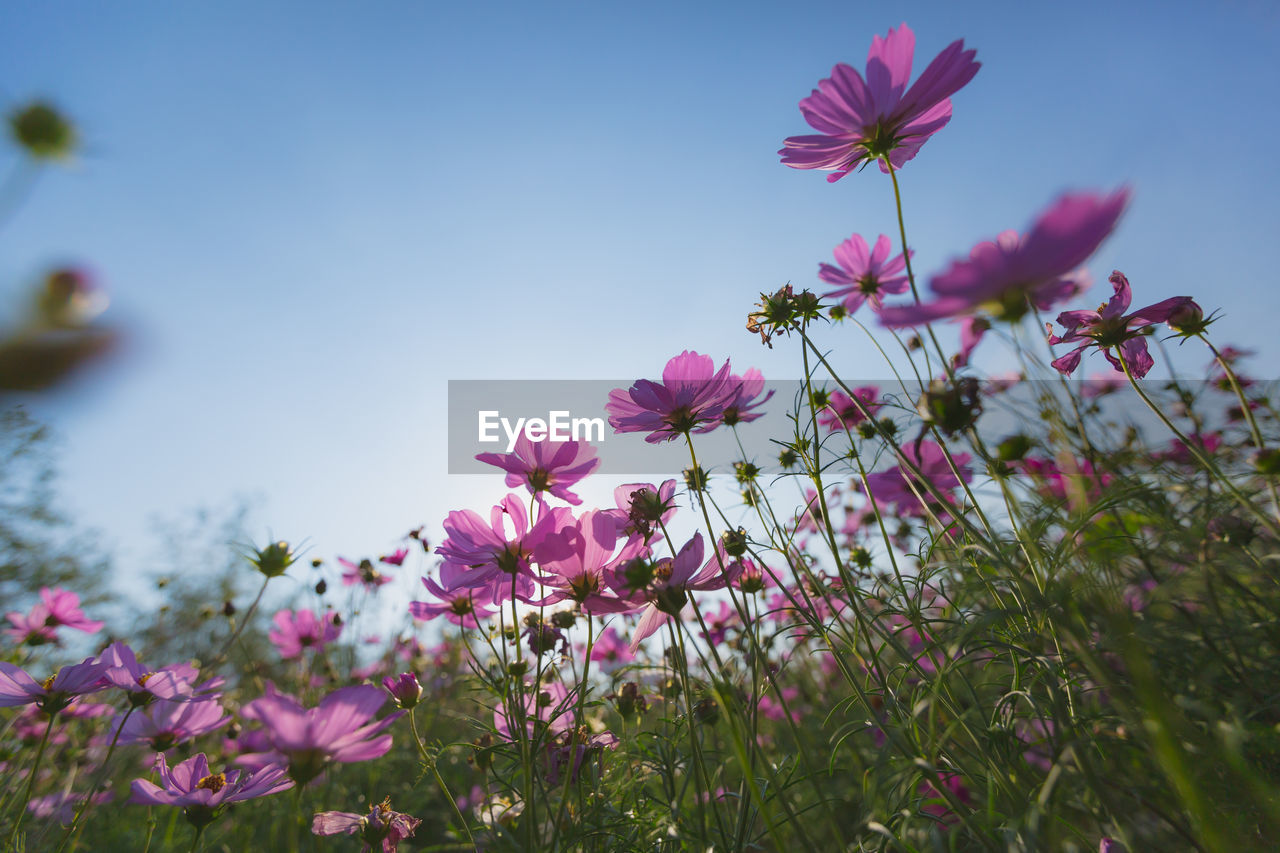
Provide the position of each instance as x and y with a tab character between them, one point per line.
164	724
1109	327
340	729
743	408
55	692
546	466
879	117
864	275
363	573
202	794
298	630
381	826
934	803
1000	278
642	505
842	412
691	397
57	608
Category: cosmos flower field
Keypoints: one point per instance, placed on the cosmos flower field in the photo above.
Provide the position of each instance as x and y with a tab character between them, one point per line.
900	631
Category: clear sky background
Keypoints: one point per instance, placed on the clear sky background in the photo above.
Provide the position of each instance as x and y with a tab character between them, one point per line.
311	215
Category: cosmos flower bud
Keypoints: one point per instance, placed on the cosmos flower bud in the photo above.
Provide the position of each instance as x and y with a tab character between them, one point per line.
735	542
1188	319
42	132
404	689
273	560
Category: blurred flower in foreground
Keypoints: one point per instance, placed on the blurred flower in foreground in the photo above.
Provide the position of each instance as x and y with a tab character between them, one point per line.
1004	278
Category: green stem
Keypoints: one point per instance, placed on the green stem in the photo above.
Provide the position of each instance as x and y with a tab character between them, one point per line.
31	781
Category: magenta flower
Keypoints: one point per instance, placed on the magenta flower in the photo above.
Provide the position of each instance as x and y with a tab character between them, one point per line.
201	794
380	826
610	650
670	581
691	397
404	689
57	608
395	559
164	724
879	117
743	409
898	487
340	729
1000	278
488	553
546	466
298	630
1109	327
63	805
841	412
462	605
363	573
864	275
175	681
642	505
576	559
55	692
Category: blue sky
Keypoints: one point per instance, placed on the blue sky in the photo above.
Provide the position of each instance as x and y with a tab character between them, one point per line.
311	216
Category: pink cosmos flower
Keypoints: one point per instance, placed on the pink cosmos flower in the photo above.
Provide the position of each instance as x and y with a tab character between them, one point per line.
842	412
201	794
298	630
1109	327
488	554
380	826
62	806
610	650
879	117
395	559
54	693
691	397
57	608
340	729
462	605
743	409
1001	277
576	559
862	275
175	681
898	486
642	505
364	573
164	724
671	581
546	466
